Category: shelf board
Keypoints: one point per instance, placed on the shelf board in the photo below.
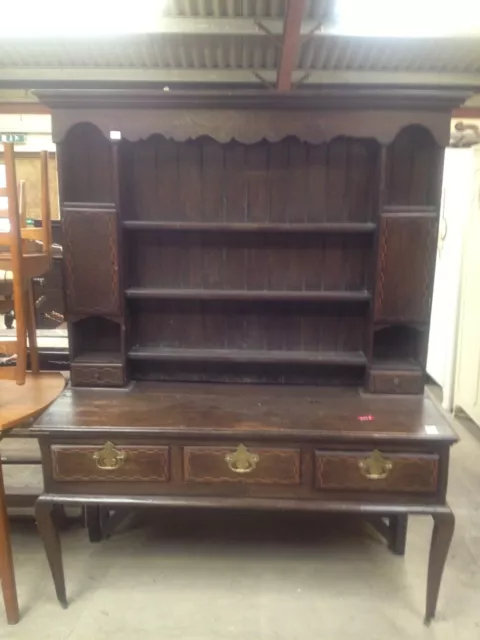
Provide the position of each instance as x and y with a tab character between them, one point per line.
167	354
156	293
397	364
276	227
408	208
96	357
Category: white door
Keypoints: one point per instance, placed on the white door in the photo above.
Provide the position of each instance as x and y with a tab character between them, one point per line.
456	203
467	387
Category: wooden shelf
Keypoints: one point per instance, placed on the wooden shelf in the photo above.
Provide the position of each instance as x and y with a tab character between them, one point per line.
408	208
155	293
339	358
396	364
95	357
274	227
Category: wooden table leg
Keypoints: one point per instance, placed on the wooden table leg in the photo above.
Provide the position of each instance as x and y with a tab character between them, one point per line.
398	534
443	528
7	574
45	517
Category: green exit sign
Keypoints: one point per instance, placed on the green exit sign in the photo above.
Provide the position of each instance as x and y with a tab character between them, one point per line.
18	138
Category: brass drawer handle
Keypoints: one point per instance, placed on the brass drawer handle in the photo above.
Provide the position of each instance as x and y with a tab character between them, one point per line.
375	467
109	458
242	461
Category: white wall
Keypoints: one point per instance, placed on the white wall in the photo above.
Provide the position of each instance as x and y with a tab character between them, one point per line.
37	127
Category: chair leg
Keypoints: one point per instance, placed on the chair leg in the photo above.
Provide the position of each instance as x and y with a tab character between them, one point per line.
21	331
7	574
31	328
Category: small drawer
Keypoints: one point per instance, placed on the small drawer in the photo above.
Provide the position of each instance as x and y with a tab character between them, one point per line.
395	382
241	464
87	375
110	463
376	471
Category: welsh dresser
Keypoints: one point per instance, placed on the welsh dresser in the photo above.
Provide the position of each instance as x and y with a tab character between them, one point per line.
248	283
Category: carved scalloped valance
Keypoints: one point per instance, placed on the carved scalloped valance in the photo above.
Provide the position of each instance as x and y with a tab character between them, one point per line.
251	117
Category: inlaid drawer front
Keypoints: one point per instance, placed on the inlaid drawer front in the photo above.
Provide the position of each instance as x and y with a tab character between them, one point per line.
110	463
376	471
396	382
86	375
241	464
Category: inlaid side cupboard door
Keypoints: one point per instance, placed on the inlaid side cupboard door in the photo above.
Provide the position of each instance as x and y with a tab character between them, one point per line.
405	266
91	259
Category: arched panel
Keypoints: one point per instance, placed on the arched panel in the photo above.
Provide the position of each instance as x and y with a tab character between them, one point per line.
86	167
413	168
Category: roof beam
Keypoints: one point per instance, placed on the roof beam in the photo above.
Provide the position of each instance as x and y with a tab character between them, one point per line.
31	77
291	41
23	108
466	112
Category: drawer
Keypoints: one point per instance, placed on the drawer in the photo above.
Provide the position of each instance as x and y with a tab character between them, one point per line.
395	382
240	464
376	471
110	463
87	375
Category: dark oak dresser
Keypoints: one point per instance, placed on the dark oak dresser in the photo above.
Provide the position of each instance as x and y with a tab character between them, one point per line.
248	285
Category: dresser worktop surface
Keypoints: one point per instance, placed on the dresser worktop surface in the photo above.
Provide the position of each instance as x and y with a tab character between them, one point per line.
256	410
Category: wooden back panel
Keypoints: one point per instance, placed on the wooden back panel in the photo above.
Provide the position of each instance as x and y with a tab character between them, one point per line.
414	166
86	172
286	181
250	261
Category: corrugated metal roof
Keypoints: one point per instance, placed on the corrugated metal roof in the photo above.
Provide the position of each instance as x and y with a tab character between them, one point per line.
146	51
256	52
387	54
241	8
226	8
237	41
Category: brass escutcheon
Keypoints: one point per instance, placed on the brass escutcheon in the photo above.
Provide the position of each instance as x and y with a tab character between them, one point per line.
376	466
109	458
242	461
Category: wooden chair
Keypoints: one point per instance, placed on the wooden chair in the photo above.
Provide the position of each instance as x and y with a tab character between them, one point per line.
6	277
26	254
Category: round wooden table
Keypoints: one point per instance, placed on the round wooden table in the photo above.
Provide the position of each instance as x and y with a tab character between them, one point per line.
19	403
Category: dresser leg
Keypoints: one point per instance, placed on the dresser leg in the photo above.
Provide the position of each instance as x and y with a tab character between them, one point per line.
443	528
397	526
60	516
45	517
93	523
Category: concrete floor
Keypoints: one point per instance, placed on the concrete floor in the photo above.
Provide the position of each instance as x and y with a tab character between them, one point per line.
202	576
